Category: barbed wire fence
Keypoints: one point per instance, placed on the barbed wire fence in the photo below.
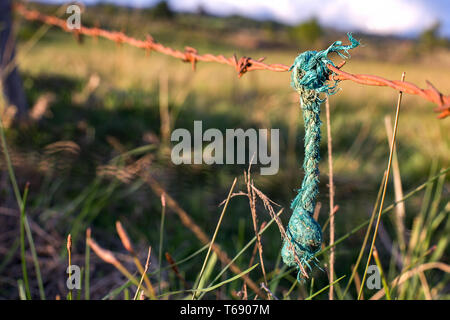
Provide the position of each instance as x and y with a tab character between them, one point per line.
241	65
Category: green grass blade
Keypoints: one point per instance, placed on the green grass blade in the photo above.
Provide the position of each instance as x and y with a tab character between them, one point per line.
366	237
208	271
23	254
211	288
324	288
383	277
118	290
184	260
10	254
161	238
294	284
238	276
386	210
243	250
35	259
215	233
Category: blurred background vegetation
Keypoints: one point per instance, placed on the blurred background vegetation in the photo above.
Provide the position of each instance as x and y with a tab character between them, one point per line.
99	100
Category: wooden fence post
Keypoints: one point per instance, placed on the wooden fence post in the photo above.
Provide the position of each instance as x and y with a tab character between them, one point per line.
9	75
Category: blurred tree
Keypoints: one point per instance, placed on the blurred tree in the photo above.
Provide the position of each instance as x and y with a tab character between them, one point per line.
163	11
306	33
201	11
109	8
9	74
429	39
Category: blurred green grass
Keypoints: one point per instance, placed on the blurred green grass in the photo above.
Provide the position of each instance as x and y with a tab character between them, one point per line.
69	194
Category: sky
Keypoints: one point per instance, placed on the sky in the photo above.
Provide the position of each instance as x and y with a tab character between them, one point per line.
383	17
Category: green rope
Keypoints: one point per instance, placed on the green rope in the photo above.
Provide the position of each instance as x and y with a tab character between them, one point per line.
309	76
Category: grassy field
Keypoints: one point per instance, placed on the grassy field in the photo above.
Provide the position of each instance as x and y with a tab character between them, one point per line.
104	120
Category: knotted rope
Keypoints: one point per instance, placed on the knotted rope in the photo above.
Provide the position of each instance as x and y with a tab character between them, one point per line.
309	76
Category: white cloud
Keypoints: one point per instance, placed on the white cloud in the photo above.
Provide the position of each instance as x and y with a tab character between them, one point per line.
375	16
379	16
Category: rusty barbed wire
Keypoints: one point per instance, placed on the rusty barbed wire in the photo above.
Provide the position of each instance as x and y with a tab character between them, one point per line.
241	65
431	94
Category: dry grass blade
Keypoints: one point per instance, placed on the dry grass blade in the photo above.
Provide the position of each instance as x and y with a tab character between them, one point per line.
252	202
270	293
161	236
174	267
215	235
252	259
398	189
391	152
425	286
164	108
317	211
357	281
381	272
87	287
41	106
198	232
267	204
109	257
147	263
126	242
417	270
331	191
255	249
366	239
124	238
325	225
103	254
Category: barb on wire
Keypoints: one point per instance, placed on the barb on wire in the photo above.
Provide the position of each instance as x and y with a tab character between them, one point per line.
241	65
